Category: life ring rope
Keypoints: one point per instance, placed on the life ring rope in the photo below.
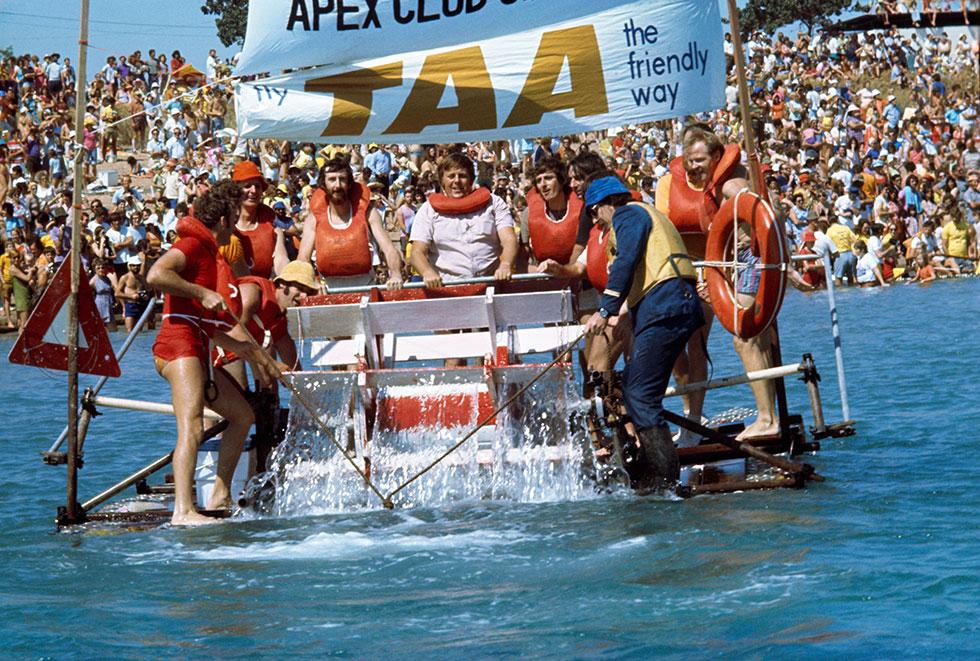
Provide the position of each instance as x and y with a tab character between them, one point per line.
723	273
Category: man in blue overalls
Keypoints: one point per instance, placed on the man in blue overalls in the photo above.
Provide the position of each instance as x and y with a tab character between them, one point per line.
650	270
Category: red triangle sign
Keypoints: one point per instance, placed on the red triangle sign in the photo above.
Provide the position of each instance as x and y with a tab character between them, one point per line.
43	341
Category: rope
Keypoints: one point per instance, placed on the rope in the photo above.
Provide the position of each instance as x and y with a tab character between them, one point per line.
486	420
741	266
385	500
146	111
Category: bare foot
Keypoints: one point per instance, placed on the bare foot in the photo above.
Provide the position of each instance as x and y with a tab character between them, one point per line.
219	503
759	429
192	519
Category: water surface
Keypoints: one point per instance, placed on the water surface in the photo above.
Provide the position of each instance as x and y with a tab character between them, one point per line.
882	560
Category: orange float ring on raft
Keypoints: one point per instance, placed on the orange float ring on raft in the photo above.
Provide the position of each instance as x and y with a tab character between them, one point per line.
767	244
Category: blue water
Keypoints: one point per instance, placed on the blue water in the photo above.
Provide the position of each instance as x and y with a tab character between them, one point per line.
882	560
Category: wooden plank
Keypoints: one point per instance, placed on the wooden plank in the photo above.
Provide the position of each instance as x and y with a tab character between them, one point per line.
429	315
325	321
543	340
324	353
438	347
535	308
477	344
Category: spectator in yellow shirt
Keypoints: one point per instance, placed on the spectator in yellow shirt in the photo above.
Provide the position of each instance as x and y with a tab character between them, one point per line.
845	265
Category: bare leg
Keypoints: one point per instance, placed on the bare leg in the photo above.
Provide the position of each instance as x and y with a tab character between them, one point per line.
186	377
6	312
236	371
691	366
235	409
756	355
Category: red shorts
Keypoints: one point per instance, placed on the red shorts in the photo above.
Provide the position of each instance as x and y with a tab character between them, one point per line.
180	341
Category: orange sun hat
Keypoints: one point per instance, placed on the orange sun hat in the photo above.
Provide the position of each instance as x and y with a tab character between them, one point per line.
246	171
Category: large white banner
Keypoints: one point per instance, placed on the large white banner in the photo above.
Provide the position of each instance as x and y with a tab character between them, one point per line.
637	61
289	34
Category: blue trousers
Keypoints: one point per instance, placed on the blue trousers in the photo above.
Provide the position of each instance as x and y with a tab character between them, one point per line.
657	342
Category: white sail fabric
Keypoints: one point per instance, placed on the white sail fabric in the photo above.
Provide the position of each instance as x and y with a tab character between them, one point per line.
634	61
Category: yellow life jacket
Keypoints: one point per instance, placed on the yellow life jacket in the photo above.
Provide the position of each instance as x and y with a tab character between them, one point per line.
665	257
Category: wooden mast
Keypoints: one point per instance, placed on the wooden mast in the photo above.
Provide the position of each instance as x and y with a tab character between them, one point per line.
73	513
743	99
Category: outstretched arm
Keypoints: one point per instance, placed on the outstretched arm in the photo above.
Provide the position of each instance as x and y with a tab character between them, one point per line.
393	257
308	242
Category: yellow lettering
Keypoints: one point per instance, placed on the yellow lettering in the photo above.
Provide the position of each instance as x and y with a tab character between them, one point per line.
477	106
353	94
588	94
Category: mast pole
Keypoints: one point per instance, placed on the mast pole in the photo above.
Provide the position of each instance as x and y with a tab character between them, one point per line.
73	513
743	98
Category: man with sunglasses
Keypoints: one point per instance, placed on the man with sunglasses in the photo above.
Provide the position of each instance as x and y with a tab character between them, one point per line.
649	270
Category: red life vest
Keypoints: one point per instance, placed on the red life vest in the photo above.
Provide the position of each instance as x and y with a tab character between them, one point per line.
596	261
227	286
552	239
186	325
456	206
271	316
691	210
259	244
341	252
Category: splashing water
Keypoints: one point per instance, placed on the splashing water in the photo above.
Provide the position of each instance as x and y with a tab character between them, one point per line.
532	454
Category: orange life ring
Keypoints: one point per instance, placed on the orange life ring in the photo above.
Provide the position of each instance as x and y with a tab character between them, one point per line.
452	206
767	244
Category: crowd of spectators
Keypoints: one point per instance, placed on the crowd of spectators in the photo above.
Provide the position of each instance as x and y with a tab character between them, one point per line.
869	143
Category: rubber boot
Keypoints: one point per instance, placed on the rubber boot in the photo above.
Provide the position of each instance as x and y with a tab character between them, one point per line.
663	466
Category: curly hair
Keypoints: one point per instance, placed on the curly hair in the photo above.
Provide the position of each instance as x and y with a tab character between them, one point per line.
335	164
222	201
551	164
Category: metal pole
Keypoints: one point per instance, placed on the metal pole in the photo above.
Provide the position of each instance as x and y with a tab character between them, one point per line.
145	407
812	378
845	408
73	513
738	379
129	481
743	98
144	318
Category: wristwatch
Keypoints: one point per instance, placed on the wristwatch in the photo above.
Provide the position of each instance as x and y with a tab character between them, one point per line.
604	313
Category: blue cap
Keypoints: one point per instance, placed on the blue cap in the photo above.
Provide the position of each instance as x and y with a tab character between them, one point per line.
279	205
602	188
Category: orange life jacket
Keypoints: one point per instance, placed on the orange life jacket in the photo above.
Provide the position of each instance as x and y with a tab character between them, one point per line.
691	210
552	239
228	287
341	252
259	244
596	261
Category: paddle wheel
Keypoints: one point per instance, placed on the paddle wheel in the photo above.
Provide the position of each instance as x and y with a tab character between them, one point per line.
402	376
